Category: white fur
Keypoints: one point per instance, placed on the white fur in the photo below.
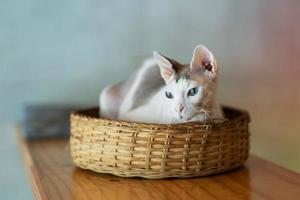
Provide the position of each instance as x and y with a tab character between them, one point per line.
127	103
155	111
104	102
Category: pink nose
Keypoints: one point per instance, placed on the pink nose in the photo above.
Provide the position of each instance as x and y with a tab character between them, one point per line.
179	109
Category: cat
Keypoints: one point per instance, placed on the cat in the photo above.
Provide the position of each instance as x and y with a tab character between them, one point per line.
164	91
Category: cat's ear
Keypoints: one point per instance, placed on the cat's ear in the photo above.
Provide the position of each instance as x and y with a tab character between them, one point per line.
167	70
203	60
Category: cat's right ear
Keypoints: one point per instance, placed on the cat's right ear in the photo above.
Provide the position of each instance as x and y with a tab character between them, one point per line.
167	71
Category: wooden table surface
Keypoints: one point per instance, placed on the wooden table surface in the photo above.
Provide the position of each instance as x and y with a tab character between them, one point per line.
53	176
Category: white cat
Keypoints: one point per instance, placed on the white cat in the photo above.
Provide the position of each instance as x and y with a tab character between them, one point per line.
164	91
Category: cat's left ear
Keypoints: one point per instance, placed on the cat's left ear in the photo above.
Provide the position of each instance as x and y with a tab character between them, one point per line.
167	70
203	60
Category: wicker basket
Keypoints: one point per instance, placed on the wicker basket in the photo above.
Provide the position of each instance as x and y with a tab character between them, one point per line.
133	149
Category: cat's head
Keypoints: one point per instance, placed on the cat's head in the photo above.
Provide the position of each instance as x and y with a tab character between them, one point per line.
190	88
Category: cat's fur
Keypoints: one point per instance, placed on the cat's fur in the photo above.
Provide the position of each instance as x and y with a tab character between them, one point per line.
142	97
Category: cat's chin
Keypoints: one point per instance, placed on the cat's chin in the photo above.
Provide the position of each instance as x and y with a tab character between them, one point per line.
183	119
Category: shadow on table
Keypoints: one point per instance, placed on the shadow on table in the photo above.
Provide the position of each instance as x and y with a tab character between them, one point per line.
233	184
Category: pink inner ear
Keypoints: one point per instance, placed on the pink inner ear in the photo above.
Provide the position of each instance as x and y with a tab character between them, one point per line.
207	65
168	72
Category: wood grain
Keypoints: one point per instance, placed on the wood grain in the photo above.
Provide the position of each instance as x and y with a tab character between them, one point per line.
53	176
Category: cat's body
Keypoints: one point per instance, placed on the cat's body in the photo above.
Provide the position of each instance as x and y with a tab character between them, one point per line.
164	91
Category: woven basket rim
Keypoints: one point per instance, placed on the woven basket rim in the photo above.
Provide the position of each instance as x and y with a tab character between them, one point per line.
239	114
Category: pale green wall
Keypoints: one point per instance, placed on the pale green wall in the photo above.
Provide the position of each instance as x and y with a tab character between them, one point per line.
66	51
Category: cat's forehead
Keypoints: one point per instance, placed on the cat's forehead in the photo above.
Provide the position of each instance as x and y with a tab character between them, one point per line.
182	83
183	73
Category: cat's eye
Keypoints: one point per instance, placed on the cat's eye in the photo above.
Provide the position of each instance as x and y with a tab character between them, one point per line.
169	95
193	91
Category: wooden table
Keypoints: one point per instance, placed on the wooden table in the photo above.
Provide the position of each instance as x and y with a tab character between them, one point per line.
53	176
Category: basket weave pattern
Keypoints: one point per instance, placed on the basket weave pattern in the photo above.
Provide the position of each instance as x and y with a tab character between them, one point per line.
133	149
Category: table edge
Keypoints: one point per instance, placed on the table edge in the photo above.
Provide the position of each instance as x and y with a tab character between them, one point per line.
31	171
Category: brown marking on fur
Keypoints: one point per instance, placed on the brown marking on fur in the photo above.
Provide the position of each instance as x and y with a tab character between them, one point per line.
175	64
181	70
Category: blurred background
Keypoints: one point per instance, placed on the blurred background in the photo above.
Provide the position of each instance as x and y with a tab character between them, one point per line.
65	52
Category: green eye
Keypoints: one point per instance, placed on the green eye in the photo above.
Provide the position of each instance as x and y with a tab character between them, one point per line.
169	95
193	91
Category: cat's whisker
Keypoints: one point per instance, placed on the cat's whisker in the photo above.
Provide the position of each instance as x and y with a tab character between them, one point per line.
207	113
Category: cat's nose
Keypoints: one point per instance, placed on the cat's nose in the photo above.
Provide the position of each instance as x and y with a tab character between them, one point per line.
179	109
